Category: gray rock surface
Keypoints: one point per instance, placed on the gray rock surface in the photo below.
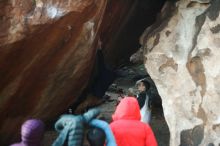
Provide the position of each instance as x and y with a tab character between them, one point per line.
181	54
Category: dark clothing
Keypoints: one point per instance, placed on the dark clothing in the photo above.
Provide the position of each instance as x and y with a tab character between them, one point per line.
141	99
103	76
110	139
152	92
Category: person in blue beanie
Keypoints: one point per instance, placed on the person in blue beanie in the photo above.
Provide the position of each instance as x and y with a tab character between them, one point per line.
96	138
71	128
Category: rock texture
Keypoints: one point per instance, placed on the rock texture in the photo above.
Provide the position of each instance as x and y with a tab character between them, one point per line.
47	51
181	53
41	65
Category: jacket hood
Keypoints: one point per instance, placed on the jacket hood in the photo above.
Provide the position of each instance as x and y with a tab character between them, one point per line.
127	109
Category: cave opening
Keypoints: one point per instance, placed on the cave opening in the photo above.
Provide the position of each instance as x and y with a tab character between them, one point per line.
127	69
118	50
117	55
49	61
130	68
116	70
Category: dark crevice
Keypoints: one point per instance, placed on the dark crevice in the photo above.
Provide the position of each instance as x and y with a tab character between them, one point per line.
128	40
213	10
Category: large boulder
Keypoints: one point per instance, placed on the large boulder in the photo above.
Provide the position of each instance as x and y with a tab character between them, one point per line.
47	52
181	54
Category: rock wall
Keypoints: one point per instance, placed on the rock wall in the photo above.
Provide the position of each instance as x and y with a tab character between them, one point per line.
181	53
47	52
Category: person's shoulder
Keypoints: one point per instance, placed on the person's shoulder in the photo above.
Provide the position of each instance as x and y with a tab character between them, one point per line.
146	126
113	123
116	123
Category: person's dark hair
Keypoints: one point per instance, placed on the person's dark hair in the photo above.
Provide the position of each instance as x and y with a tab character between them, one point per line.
96	137
146	84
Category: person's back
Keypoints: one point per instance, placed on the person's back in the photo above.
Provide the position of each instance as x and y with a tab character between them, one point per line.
127	128
96	137
71	128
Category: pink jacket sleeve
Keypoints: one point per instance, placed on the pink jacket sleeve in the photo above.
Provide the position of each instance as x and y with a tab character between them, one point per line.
150	138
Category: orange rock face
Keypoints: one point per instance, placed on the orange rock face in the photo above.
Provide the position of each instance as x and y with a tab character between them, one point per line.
46	57
47	51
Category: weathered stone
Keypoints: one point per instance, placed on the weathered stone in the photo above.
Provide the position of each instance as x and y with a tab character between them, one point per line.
47	52
184	64
137	57
192	137
201	1
215	29
211	144
42	70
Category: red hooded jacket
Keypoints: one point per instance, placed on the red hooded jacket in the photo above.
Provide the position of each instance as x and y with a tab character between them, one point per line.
127	127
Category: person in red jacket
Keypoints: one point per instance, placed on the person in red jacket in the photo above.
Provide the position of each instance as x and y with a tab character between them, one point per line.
127	127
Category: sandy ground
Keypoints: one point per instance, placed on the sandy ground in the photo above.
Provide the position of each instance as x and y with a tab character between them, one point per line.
158	122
